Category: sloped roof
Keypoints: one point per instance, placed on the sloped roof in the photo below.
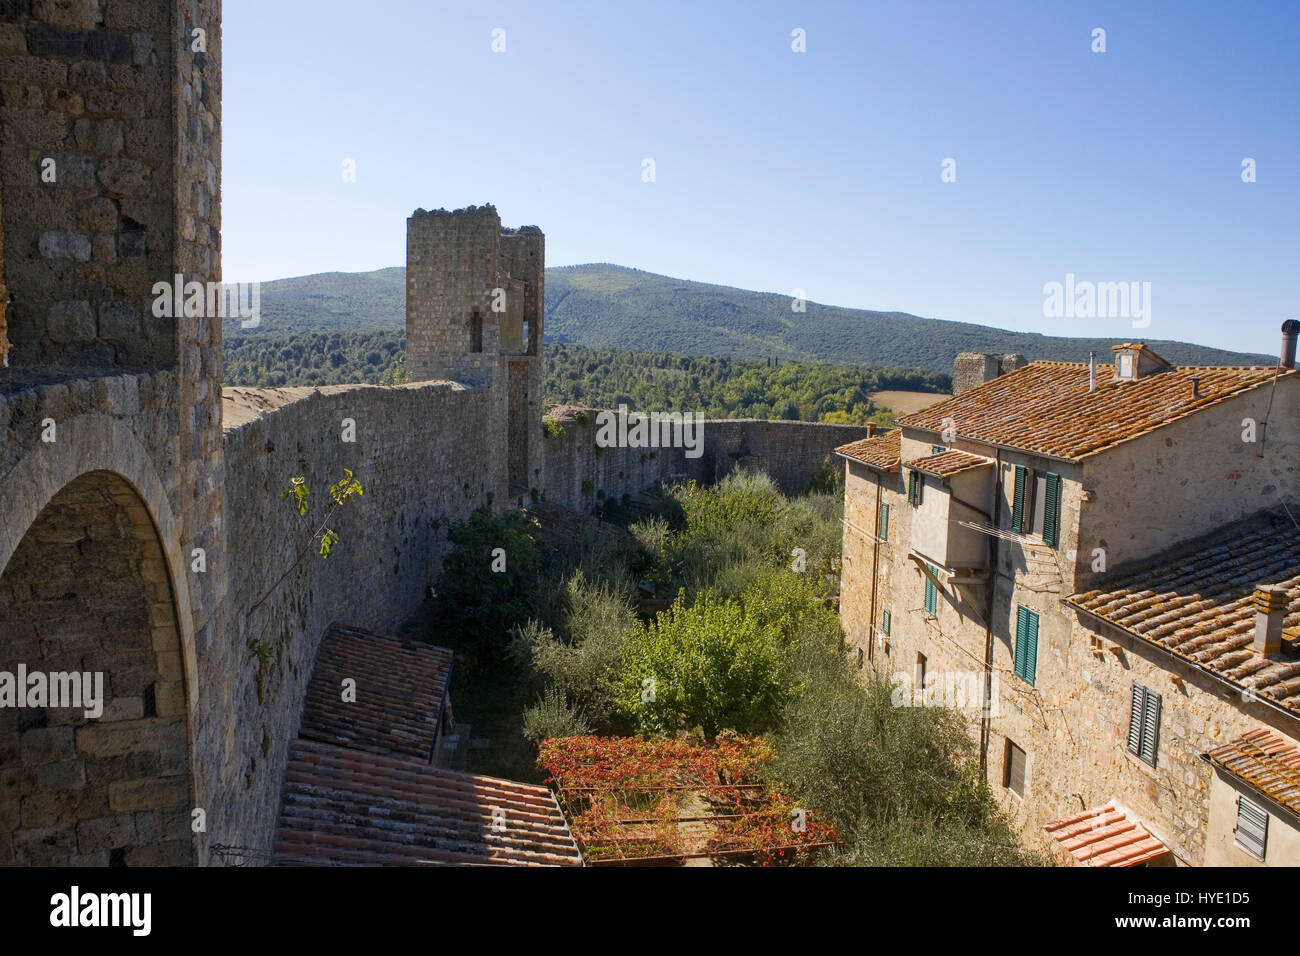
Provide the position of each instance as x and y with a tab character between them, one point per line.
1264	761
400	688
1196	600
1046	407
1105	836
950	462
344	807
881	451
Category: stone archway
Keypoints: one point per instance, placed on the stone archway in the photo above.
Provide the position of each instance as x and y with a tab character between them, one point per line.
87	591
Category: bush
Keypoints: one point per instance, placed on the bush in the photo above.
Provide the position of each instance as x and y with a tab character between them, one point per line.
551	717
707	665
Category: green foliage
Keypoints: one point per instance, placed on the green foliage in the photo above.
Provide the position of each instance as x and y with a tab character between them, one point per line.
552	716
483	603
340	492
701	664
551	428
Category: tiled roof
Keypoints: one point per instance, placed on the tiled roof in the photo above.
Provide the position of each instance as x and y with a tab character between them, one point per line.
1105	836
1046	407
882	451
1265	762
951	462
400	688
1196	600
349	808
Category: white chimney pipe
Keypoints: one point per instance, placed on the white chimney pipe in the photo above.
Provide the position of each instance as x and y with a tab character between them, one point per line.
1092	371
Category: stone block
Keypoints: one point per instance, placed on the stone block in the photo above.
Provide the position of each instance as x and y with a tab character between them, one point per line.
65	244
154	794
71	14
47	745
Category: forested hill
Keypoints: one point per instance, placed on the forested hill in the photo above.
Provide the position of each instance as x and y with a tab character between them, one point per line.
612	306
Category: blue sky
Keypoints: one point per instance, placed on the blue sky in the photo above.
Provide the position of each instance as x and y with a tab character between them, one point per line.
778	170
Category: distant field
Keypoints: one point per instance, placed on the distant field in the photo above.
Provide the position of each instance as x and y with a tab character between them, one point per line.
904	403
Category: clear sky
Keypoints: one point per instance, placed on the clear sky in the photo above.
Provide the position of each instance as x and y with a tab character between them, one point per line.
777	170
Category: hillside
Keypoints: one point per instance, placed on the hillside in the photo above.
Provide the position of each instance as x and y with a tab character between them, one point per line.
612	306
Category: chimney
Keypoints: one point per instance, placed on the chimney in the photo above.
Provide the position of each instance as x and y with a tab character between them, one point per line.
1196	386
1290	328
1092	371
871	429
1270	608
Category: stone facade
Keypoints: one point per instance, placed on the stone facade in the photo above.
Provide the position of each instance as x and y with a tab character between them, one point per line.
1072	721
976	368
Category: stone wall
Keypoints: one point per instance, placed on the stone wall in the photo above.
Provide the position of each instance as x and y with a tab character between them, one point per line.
423	454
579	475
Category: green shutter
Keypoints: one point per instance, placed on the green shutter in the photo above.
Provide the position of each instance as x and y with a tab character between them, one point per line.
1018	500
931	594
1150	727
885	621
1026	649
882	532
937	449
1135	720
911	488
1052	510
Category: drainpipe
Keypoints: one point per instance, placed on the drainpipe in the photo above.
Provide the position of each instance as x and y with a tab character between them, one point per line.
986	720
875	574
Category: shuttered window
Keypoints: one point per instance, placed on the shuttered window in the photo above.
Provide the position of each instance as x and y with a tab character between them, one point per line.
915	485
1252	828
1013	769
937	449
1026	650
931	594
1018	499
882	530
1144	724
886	621
1052	510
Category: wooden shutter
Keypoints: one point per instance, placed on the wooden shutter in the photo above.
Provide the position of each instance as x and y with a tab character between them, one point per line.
937	449
1135	720
1052	510
1150	726
882	532
1018	500
931	593
1014	775
911	488
886	619
1252	828
1026	649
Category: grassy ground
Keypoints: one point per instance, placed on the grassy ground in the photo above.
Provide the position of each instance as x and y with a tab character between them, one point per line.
905	403
490	699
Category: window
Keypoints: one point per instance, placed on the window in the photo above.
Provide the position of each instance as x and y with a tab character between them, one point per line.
1125	364
915	485
931	594
1052	510
1026	651
1013	769
886	620
1252	828
920	673
937	449
476	331
1018	522
882	529
1144	724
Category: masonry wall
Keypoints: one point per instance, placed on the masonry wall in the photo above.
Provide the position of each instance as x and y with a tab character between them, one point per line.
421	454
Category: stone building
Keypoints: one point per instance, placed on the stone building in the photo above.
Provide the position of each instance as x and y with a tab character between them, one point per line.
1080	558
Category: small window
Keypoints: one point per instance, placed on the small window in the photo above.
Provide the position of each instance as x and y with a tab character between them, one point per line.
1252	828
1144	724
476	331
1026	650
937	449
886	620
1125	364
1013	769
915	486
1018	496
920	672
931	594
1052	510
882	531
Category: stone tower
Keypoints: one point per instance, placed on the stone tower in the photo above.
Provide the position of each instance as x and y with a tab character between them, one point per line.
474	302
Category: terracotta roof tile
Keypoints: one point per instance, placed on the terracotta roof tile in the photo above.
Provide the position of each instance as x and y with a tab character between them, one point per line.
349	808
950	462
1265	762
400	688
1105	836
1046	407
882	451
1196	600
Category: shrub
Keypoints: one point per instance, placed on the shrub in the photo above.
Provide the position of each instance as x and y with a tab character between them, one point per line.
551	717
